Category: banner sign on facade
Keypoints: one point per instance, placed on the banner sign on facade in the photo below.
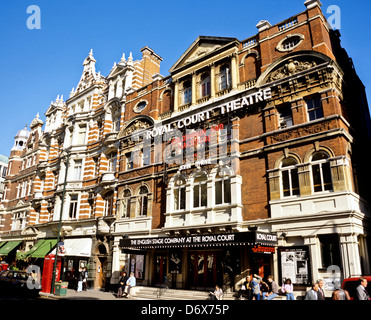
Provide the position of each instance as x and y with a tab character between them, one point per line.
247	238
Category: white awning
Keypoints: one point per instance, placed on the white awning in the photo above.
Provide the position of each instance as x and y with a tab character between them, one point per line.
78	247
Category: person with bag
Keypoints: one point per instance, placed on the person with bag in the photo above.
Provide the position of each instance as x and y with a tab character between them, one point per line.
122	284
84	279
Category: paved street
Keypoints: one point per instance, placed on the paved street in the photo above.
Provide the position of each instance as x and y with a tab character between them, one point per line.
84	295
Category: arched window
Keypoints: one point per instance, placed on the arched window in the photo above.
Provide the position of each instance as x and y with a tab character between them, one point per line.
289	177
205	85
143	201
200	191
225	77
222	187
125	204
321	172
179	194
116	118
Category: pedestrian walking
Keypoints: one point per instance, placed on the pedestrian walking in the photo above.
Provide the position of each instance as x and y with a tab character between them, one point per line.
312	294
122	284
79	281
320	292
85	279
130	283
288	289
273	289
362	293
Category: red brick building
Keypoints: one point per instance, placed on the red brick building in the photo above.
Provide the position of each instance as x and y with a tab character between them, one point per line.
246	158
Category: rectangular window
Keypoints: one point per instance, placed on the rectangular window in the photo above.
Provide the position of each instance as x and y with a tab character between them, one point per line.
314	108
77	170
285	117
187	96
82	135
129	162
223	191
96	167
112	162
73	206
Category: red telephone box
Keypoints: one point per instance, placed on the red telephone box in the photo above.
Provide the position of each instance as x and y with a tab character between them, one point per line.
47	278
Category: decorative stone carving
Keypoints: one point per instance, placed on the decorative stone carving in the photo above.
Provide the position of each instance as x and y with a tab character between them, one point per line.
290	68
135	126
292	134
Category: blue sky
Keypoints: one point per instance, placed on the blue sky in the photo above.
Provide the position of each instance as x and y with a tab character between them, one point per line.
38	65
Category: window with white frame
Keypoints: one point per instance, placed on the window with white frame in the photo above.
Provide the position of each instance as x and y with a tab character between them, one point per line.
222	187
77	167
82	134
179	194
289	177
200	190
314	108
112	161
142	201
146	156
108	204
116	118
19	221
321	172
73	206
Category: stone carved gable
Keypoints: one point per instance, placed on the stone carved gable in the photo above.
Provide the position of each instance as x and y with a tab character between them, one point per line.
136	125
199	49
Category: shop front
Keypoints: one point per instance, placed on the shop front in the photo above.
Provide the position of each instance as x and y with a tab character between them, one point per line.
199	262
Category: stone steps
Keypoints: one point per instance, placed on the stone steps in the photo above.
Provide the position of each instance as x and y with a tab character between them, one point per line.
155	293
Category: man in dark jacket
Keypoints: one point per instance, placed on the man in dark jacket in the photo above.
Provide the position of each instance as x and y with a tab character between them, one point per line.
122	284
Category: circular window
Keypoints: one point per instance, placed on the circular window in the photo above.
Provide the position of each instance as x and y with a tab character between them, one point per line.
290	42
140	106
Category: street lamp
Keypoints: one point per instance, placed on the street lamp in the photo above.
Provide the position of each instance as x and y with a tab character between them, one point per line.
60	224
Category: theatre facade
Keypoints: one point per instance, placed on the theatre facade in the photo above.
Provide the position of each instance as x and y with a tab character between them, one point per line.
247	158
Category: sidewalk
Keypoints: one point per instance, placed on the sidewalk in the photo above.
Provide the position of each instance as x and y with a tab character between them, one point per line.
83	295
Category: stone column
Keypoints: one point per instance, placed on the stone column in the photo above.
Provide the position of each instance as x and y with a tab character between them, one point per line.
350	255
176	95
212	81
194	88
234	71
315	255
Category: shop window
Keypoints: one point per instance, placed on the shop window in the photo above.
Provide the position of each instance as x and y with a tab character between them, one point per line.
330	250
179	194
285	116
321	172
143	201
222	187
314	108
289	177
200	191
